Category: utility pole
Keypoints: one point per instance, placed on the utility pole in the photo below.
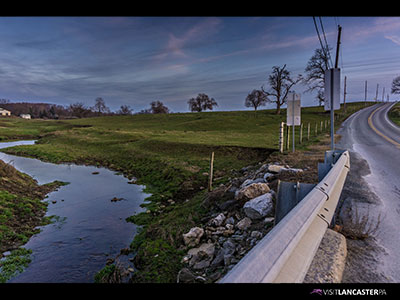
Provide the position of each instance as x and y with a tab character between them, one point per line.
383	94
344	94
376	96
365	99
332	107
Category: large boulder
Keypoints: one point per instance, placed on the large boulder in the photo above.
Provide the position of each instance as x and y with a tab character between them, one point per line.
252	191
192	238
259	207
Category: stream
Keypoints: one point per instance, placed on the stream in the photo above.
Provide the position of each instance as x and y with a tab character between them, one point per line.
89	227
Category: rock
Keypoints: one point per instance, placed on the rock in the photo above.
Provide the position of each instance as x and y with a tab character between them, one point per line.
133	180
202	264
95	173
227	205
290	171
275	168
250	181
229	226
230	220
246	182
229	248
185	276
219	258
244	223
115	199
205	250
256	234
218	220
252	191
268	176
262	169
269	220
192	238
259	207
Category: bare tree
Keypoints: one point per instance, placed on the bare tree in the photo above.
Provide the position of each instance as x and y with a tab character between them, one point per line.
280	84
255	99
100	106
315	73
125	110
396	85
201	102
157	107
79	110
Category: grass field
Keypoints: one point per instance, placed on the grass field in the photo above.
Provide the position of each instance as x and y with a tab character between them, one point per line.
170	155
394	114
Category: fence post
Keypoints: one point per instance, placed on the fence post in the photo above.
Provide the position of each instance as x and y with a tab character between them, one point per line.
308	132
301	132
281	137
287	137
210	178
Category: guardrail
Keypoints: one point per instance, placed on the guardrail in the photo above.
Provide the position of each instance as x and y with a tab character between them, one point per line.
285	254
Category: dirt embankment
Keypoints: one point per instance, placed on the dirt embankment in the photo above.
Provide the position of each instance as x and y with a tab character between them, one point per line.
21	206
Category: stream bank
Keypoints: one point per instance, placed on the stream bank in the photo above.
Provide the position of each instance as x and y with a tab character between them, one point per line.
89	228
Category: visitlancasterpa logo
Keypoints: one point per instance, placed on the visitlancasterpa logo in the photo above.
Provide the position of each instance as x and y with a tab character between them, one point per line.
349	292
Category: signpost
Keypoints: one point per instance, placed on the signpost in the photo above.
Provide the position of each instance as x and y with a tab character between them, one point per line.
332	97
293	115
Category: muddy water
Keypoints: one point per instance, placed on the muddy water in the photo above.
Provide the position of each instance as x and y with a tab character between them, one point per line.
90	227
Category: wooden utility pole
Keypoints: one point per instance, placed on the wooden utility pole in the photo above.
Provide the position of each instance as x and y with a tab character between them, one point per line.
337	46
344	94
383	94
376	96
365	99
332	109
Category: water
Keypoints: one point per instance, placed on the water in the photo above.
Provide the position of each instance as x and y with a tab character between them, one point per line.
89	227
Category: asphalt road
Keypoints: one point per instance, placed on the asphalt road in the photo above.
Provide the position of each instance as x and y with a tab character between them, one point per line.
370	135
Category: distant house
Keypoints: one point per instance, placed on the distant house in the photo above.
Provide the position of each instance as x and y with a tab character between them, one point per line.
4	112
25	116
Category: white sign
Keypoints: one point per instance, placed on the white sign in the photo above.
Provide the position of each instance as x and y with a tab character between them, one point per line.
293	115
335	82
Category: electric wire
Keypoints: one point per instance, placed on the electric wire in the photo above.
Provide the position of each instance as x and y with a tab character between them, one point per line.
326	43
320	41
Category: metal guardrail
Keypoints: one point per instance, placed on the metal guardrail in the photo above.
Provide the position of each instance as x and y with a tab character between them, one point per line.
285	254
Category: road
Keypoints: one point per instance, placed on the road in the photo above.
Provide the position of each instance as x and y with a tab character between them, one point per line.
373	138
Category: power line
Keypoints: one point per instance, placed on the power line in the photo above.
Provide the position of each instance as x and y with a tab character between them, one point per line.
320	41
326	43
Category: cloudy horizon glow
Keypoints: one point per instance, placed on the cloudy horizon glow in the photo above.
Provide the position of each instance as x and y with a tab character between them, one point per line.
136	60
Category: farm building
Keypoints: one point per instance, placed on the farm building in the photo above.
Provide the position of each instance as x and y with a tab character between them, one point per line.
4	112
25	116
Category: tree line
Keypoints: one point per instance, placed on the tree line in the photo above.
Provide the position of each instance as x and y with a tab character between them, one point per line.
75	110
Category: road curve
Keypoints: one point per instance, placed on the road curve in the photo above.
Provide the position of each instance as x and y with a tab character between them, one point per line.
372	135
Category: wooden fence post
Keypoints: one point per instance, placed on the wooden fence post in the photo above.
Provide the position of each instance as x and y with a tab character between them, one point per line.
301	132
210	178
281	137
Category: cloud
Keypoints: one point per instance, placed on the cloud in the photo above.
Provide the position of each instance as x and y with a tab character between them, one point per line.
194	36
395	39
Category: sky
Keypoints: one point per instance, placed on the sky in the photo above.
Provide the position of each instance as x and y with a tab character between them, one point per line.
136	60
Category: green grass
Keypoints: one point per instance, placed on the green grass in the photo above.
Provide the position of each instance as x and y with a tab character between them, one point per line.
168	154
394	114
14	263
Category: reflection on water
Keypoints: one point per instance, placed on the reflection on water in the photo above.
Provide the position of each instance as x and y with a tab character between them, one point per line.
89	226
